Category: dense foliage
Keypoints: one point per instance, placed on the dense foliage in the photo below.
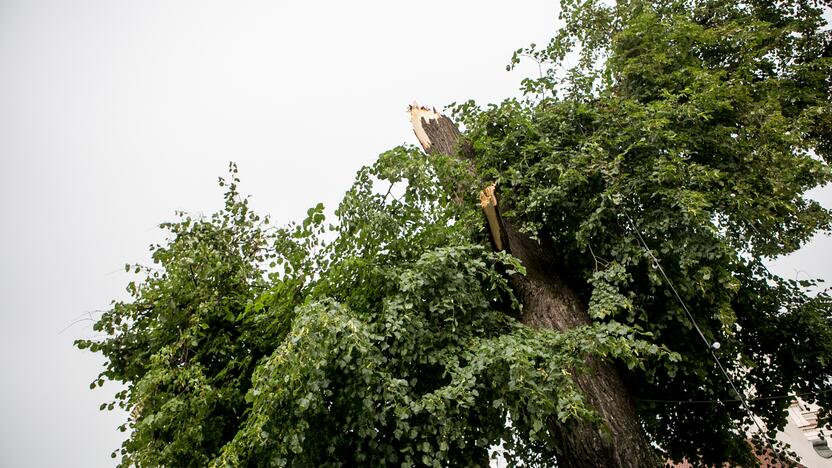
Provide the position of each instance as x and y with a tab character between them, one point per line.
699	125
393	343
390	336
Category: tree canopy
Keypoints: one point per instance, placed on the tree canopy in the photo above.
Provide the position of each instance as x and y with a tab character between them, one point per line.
683	142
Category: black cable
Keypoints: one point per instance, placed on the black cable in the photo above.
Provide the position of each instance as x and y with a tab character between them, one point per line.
701	335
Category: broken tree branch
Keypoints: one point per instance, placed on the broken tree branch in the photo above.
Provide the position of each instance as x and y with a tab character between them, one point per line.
619	440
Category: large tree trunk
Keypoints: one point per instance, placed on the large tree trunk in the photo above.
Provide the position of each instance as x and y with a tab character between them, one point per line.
619	441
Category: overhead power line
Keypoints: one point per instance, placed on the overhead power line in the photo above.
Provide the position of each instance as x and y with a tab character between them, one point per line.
711	347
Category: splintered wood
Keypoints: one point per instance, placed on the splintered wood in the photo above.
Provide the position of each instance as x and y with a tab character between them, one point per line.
488	203
435	131
438	134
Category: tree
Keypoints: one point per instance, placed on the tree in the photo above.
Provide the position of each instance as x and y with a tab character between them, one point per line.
658	174
614	437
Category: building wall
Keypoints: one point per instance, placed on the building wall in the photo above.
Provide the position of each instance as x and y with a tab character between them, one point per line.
801	430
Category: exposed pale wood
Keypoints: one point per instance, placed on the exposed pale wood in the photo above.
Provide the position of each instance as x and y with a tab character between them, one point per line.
436	132
488	203
619	440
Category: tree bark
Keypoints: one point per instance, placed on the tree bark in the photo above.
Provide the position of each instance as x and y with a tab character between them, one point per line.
619	440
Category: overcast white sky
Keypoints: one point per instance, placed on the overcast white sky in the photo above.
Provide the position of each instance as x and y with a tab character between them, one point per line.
113	114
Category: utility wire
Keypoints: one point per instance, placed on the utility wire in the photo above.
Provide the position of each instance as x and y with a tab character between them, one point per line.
708	344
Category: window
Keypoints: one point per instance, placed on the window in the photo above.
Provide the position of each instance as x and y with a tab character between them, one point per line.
822	448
